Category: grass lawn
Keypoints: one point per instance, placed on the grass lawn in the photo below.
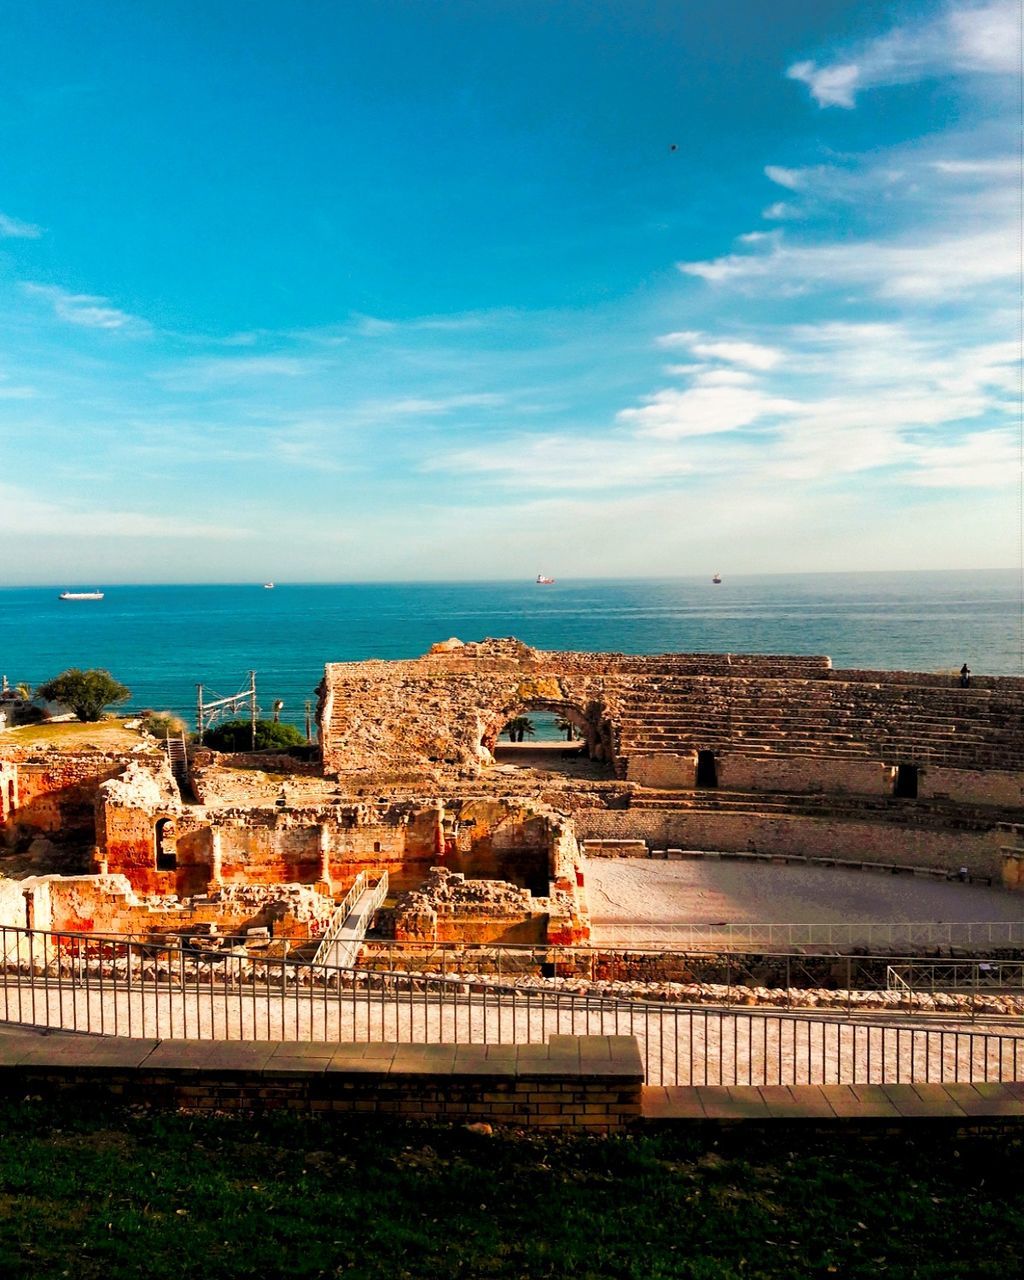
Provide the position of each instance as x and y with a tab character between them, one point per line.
109	1193
108	735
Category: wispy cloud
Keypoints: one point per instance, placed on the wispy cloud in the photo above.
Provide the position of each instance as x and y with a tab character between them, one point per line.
561	462
20	510
88	310
975	38
15	229
912	266
204	372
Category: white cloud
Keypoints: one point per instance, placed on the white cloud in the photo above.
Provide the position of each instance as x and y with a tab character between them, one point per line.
752	354
87	310
791	179
911	267
782	211
432	405
672	414
1000	167
986	459
973	39
15	229
683	338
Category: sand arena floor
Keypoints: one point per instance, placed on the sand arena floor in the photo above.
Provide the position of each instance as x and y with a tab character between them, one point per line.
633	896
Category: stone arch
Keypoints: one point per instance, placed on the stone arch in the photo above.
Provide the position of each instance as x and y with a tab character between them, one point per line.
589	718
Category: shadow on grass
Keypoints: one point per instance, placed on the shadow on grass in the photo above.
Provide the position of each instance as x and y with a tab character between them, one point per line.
118	1193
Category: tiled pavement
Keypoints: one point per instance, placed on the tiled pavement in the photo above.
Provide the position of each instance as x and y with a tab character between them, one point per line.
835	1102
590	1056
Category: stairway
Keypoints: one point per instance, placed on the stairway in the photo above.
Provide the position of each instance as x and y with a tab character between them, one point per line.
177	757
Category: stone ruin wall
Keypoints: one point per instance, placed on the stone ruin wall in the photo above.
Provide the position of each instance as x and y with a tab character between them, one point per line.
974	845
398	719
773	723
999	788
220	853
108	904
53	792
448	907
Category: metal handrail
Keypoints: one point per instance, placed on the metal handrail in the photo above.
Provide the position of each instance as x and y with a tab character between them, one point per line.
954	975
338	920
764	936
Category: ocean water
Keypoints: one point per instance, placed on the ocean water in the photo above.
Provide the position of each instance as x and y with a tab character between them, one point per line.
162	641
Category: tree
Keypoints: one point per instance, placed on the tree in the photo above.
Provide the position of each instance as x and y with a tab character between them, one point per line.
566	726
519	728
236	735
85	692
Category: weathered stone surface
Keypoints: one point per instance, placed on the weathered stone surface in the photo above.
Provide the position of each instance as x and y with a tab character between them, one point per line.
771	722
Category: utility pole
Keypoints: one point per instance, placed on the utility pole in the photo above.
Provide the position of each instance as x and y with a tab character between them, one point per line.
199	713
252	703
309	721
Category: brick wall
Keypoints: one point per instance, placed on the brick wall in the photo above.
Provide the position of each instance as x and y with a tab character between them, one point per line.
589	1082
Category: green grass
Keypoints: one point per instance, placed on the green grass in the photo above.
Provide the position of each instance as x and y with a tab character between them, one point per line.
107	1193
106	734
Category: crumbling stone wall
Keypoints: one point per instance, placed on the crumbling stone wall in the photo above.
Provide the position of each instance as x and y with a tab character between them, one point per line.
651	715
130	810
448	907
109	904
54	791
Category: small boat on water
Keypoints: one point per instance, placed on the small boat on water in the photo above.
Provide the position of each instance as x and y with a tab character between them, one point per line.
81	595
268	586
542	581
716	578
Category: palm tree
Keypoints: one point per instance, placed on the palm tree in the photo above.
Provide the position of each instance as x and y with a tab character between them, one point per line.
519	728
565	726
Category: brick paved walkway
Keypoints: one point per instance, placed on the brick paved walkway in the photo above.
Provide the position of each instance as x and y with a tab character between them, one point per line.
834	1102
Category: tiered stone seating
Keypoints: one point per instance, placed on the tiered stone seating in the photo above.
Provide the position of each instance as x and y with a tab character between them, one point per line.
959	728
898	812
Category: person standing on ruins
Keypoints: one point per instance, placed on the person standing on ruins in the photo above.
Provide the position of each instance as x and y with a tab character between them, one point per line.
965	676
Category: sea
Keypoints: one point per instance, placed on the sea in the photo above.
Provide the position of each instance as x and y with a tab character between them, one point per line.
163	641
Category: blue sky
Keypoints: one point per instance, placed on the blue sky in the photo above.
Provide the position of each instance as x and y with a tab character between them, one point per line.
477	289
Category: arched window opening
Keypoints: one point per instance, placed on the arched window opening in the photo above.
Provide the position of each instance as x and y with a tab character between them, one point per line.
164	845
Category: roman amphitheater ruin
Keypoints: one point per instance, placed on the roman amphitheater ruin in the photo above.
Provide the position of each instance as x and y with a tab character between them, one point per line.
891	800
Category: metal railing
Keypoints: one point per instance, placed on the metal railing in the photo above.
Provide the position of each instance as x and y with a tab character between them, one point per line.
768	937
374	896
915	976
114	987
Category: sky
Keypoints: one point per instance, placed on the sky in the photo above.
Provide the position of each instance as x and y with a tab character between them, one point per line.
476	289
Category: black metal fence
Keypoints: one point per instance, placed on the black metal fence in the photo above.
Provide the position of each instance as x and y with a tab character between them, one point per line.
120	987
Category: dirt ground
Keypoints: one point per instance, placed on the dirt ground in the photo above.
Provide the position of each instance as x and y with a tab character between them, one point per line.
628	891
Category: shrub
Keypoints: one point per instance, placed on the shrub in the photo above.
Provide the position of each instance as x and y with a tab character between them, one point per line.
236	735
163	724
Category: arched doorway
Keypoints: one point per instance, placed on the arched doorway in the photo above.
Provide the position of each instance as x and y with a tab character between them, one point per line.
165	845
